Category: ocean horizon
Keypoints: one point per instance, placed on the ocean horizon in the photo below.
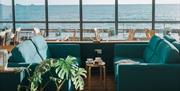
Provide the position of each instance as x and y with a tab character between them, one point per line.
126	12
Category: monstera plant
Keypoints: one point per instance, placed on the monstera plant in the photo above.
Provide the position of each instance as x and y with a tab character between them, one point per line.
65	70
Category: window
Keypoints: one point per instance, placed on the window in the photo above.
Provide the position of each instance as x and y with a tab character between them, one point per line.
5	10
5	14
64	31
125	28
30	10
163	28
167	17
111	21
5	25
28	29
28	15
135	10
105	31
64	11
100	15
134	15
98	10
30	26
167	10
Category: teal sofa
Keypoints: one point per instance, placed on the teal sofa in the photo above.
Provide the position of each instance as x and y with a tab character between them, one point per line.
157	66
36	50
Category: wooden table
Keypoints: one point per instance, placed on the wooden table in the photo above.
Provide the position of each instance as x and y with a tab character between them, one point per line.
102	70
10	78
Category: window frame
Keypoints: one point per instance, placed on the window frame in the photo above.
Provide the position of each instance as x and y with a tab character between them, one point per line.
81	22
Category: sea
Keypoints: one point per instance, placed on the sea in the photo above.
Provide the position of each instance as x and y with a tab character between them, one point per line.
92	13
126	12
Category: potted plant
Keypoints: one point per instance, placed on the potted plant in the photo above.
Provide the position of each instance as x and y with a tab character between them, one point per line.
65	69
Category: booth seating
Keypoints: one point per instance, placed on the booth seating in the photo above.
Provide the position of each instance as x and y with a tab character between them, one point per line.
154	67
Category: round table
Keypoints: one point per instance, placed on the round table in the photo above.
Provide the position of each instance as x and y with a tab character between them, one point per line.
102	70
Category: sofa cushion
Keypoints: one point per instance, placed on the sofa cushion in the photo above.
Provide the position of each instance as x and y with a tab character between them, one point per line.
169	38
41	46
149	51
154	42
25	52
166	53
119	59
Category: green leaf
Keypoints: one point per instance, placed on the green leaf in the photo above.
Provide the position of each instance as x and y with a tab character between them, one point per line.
65	69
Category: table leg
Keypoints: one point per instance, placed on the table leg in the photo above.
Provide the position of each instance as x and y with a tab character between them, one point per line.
104	71
104	76
87	69
89	73
89	77
100	72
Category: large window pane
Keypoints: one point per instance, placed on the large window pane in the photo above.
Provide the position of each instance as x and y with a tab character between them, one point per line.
167	10
30	10
63	10
98	10
64	31
5	25
125	28
5	10
30	26
105	31
172	29
27	29
135	10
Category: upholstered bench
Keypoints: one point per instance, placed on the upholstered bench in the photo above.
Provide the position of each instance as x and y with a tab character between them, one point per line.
157	69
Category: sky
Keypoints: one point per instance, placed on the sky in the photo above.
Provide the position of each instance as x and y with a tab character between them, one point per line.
72	2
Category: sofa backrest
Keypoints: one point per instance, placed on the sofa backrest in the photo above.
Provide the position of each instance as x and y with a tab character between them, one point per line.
134	50
177	45
165	53
169	38
151	47
25	52
63	50
41	46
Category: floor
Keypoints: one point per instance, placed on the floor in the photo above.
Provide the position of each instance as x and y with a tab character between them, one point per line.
96	84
